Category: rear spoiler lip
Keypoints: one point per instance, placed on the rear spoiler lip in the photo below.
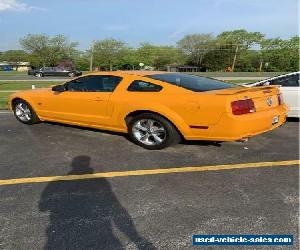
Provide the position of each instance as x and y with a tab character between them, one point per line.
245	89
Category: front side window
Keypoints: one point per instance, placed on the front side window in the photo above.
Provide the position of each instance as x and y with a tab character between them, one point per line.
141	86
47	69
94	84
192	82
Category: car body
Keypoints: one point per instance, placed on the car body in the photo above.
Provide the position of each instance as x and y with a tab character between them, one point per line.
54	71
193	107
290	88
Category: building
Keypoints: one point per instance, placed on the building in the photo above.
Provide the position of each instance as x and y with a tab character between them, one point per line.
182	68
14	66
185	68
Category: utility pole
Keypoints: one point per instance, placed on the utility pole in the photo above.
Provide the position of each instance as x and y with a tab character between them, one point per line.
234	59
92	56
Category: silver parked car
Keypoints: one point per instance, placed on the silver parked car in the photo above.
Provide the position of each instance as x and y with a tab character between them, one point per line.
289	87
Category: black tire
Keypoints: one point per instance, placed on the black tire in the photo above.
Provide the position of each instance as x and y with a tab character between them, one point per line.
38	74
171	135
33	116
71	74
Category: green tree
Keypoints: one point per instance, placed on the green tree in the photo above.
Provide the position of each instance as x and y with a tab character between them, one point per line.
196	47
236	43
218	58
167	55
14	56
48	51
281	55
146	53
159	56
249	61
241	38
81	60
108	52
128	59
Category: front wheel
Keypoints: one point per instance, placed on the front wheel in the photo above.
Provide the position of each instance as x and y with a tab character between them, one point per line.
24	112
39	74
152	131
72	74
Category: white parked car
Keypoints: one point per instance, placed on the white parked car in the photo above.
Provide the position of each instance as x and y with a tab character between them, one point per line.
289	87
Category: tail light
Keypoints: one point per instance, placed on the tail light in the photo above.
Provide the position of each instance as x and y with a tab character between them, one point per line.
280	99
243	107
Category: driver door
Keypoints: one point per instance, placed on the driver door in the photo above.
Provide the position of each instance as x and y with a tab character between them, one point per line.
85	101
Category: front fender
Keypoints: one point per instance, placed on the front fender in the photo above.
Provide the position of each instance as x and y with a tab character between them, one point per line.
22	96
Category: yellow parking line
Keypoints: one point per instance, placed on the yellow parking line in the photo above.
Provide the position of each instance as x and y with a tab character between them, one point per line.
147	172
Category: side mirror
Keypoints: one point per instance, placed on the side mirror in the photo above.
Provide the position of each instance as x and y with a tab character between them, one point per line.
59	88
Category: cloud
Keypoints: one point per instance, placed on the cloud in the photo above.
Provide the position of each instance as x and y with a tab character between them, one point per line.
14	5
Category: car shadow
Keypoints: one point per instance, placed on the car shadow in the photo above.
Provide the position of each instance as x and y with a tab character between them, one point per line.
84	214
202	143
292	119
183	141
87	128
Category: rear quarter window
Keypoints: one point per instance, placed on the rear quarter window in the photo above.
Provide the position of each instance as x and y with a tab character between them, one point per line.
142	86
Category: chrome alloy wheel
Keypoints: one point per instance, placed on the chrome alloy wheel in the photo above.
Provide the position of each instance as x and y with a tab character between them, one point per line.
149	132
23	112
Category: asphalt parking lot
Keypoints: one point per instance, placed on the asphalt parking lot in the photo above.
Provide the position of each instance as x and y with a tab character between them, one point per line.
158	211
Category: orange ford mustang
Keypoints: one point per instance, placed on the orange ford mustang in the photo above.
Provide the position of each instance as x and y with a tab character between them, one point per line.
156	109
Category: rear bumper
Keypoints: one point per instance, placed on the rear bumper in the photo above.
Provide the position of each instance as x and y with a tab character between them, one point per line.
235	127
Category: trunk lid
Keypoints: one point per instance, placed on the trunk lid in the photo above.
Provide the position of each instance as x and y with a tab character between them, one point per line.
264	97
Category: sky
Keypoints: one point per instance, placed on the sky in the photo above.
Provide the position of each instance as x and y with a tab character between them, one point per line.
161	22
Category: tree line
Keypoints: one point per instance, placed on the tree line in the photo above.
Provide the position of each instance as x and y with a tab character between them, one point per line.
237	50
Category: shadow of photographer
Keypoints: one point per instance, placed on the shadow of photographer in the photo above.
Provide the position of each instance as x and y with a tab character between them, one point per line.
85	213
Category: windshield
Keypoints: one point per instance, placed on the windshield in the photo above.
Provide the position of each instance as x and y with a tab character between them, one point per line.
192	82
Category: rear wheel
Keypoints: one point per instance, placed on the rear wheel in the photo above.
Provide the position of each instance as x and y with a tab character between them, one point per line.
152	131
39	74
24	112
71	74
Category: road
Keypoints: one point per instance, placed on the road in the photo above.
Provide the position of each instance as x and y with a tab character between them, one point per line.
157	211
